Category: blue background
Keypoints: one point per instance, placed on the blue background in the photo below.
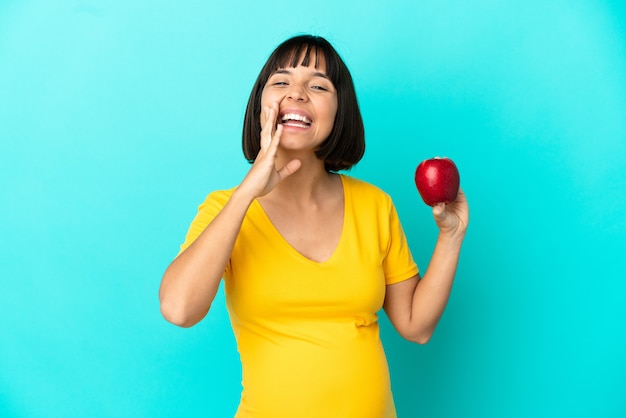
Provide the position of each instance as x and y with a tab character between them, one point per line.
118	117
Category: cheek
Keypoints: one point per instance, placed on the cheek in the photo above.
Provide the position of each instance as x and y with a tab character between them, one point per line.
332	112
334	105
263	98
330	123
267	96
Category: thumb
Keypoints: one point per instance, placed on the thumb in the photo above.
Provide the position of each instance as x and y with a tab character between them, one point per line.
440	213
289	168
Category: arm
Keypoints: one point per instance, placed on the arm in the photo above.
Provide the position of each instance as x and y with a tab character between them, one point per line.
191	281
415	306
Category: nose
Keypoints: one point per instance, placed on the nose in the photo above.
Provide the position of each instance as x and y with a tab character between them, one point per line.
296	92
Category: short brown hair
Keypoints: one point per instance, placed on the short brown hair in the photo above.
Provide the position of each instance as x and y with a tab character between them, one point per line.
345	145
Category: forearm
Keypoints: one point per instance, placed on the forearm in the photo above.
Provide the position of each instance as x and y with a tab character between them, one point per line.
433	291
191	281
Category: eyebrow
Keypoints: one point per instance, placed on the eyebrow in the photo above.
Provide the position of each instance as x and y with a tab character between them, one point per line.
315	74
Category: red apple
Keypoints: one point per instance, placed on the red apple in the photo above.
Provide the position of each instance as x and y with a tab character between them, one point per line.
437	180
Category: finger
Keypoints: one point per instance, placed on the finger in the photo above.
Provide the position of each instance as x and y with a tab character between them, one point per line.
461	194
442	216
273	113
275	139
263	116
439	211
267	128
289	168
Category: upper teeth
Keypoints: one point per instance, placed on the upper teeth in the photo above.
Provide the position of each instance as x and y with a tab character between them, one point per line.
295	116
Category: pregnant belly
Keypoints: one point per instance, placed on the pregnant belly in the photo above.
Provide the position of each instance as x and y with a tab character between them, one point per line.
344	376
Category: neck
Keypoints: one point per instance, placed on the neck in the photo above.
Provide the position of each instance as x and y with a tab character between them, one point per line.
309	184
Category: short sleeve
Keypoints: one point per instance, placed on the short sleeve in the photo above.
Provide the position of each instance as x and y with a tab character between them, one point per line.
398	263
207	211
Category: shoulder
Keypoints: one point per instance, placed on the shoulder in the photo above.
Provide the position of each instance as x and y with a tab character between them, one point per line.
218	196
362	190
215	201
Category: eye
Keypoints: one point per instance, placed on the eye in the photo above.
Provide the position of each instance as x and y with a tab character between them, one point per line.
321	84
278	80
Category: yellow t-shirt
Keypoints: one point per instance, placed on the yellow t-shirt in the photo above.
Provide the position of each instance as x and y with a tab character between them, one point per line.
307	332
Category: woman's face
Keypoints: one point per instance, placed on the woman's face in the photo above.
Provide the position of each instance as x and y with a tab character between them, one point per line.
306	104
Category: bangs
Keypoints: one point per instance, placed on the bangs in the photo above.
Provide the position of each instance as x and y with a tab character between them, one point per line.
305	52
291	58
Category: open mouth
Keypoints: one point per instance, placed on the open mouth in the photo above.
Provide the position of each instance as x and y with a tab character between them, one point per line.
295	120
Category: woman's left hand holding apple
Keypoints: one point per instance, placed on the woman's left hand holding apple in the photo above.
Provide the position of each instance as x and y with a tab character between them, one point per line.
452	218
